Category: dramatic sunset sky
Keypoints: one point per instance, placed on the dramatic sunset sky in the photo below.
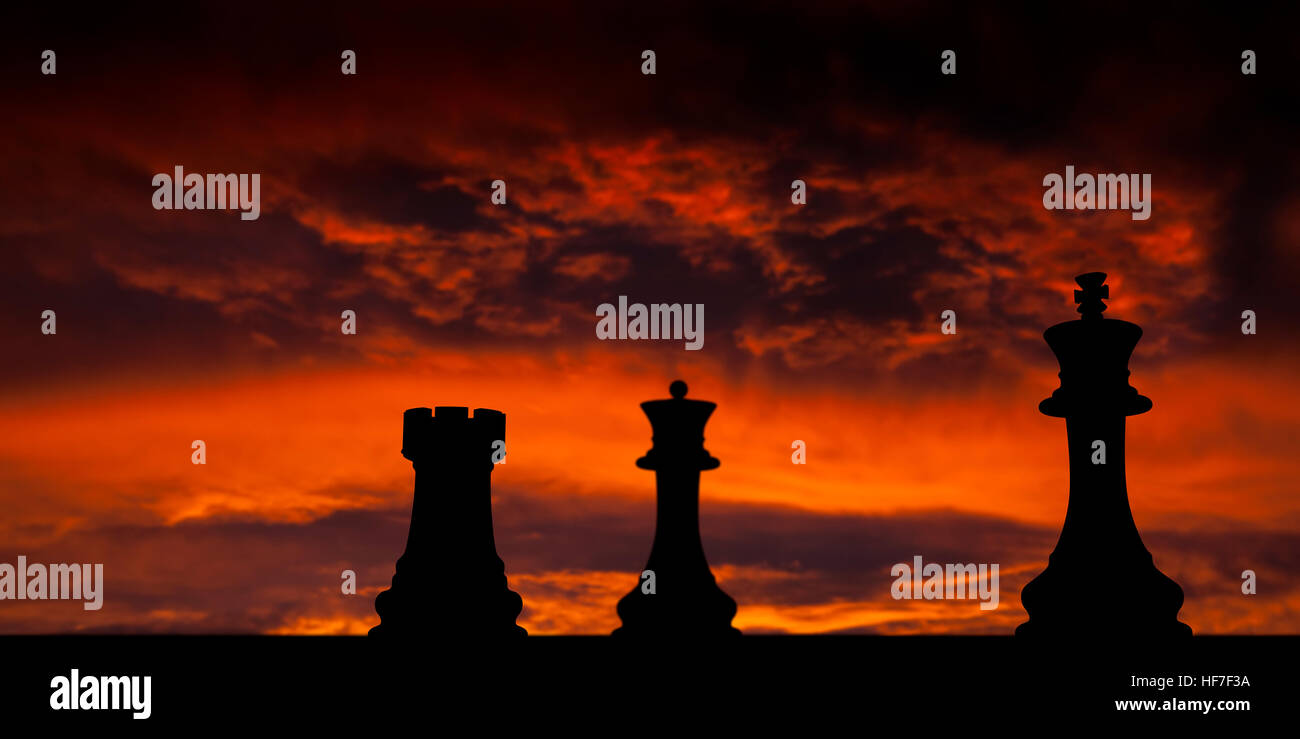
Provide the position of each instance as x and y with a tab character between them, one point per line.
821	321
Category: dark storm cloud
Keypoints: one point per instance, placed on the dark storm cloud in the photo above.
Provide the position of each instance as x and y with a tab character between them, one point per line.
391	190
1151	91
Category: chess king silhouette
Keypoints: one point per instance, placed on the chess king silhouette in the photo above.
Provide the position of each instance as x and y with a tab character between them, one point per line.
450	583
686	601
1100	581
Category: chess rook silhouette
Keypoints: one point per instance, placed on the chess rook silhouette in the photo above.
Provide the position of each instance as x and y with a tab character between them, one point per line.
1100	581
450	579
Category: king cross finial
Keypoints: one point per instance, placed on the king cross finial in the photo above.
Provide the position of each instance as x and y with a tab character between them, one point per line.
1090	297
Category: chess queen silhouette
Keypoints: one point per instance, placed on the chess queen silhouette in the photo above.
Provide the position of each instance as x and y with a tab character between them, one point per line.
686	601
1100	582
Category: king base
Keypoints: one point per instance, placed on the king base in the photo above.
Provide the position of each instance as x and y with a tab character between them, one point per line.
1105	599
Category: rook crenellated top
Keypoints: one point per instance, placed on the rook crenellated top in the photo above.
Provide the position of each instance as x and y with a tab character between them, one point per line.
425	432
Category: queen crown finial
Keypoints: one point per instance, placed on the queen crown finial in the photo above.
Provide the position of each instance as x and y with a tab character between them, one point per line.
678	430
1090	297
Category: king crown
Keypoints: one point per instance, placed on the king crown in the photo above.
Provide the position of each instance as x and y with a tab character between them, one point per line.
1090	297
